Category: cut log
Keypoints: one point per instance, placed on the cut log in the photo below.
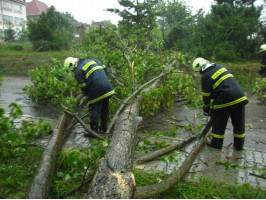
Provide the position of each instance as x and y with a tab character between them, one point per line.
149	191
40	186
114	177
163	151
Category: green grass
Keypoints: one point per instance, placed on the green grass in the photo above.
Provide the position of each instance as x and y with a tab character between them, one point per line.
16	173
245	73
19	62
202	189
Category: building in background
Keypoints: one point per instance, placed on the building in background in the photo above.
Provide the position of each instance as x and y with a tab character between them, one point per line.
12	15
35	9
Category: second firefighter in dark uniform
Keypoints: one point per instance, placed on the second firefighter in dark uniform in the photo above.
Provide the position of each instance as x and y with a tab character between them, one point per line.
91	76
222	98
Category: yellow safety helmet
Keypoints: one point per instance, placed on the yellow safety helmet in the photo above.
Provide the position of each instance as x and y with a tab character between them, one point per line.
70	63
262	48
198	64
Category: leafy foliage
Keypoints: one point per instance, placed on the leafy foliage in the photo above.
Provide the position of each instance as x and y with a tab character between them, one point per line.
260	88
15	140
74	165
52	83
16	173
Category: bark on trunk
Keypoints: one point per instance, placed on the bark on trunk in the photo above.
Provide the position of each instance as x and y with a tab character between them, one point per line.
40	187
149	191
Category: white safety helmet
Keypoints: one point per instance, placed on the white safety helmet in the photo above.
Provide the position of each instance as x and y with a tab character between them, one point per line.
70	63
262	48
198	64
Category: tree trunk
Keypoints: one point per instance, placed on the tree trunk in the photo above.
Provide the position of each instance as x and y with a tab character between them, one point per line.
40	186
114	178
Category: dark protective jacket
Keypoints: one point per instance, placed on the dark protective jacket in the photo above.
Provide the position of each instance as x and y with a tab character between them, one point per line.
220	89
262	70
92	78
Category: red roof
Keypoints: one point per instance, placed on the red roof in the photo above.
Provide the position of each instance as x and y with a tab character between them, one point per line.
36	7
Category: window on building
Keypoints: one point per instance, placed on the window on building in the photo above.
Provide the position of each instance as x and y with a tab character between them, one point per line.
8	20
6	5
18	8
18	21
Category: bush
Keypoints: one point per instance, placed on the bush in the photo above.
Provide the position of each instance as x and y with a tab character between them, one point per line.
16	47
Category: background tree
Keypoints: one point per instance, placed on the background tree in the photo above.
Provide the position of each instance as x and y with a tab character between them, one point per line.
176	20
52	31
228	32
138	21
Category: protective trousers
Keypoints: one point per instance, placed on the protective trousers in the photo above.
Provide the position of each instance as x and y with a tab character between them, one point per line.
96	110
220	119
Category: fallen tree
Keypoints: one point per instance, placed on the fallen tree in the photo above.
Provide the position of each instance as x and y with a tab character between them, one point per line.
114	177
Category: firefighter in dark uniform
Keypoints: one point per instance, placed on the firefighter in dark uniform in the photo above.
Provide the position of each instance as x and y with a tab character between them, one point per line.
262	71
222	98
91	76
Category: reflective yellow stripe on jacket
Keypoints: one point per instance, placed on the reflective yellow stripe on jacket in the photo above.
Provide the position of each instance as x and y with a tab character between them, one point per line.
221	80
230	103
218	73
102	97
85	67
94	69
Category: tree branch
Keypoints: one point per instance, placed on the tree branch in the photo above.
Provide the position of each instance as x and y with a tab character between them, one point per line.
163	151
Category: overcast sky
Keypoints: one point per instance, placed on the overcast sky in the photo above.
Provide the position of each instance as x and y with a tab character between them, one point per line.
87	11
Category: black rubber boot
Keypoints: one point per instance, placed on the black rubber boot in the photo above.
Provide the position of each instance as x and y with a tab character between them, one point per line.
103	127
94	126
215	143
239	143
